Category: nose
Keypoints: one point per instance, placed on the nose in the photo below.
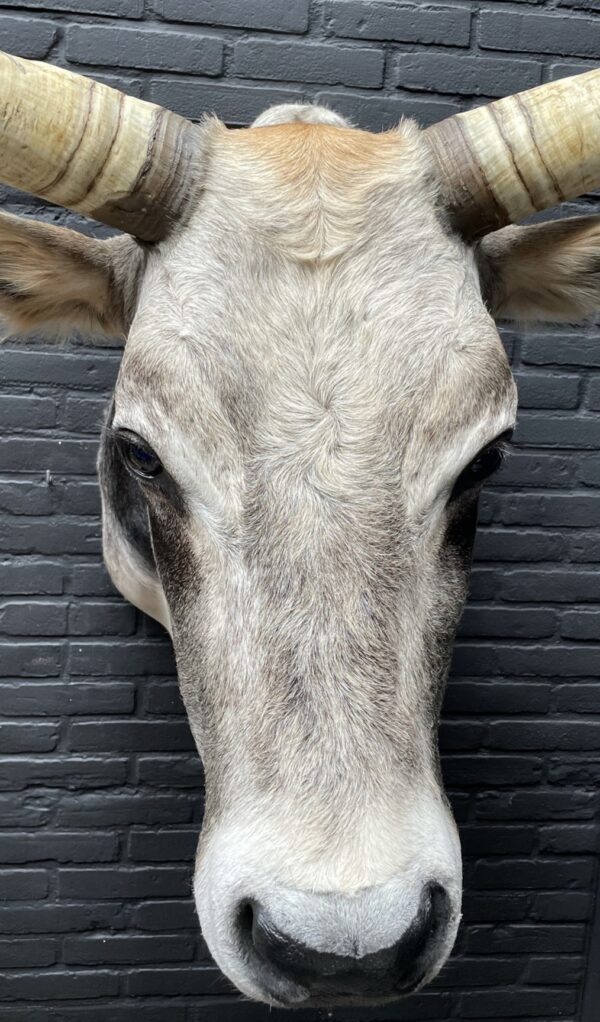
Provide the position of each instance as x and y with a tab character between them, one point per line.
387	972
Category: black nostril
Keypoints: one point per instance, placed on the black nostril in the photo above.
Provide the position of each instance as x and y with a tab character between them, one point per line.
398	968
245	923
417	947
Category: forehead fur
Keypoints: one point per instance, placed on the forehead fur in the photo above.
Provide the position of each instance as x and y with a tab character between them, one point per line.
326	178
315	272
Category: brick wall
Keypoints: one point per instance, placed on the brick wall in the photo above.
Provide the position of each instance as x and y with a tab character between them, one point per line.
100	785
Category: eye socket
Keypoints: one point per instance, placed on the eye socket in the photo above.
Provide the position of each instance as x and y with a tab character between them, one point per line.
138	456
482	466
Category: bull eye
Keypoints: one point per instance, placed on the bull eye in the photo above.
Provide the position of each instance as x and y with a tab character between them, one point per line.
138	456
482	466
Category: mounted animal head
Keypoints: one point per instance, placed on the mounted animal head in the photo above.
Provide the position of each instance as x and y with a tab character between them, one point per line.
311	396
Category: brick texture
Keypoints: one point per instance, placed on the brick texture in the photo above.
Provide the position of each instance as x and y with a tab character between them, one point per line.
100	784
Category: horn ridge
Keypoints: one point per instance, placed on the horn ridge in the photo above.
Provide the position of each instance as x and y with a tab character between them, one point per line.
502	162
81	144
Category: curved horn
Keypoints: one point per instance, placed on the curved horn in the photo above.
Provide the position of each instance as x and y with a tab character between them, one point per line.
502	162
84	145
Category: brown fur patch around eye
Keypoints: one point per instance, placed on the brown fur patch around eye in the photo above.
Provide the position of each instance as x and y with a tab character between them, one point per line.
51	277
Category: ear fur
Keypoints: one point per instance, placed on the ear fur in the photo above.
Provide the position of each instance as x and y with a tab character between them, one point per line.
549	271
52	277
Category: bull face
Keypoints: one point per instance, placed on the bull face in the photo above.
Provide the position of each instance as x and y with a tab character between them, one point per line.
302	428
311	396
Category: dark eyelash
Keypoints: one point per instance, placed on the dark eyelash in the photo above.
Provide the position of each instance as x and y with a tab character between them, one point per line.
484	464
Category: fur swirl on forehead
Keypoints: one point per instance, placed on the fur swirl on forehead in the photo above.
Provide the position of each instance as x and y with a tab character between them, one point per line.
315	186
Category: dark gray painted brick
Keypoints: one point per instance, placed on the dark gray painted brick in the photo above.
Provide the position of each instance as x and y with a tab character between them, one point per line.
21	737
48	455
458	972
558	431
64	772
508	623
158	50
525	939
310	62
532	874
113	810
57	918
169	915
65	368
120	949
201	980
28	576
27	37
539	469
25	497
561	349
469	76
42	699
49	536
29	618
27	952
292	16
555	970
571	838
79	498
58	846
124	882
107	8
409	23
26	411
163	771
234	104
581	624
480	1005
516	545
139	735
91	580
127	658
594	394
548	390
504	907
30	660
571	510
83	414
564	69
163	697
492	771
162	846
588	5
563	906
62	984
538	33
102	618
18	884
493	697
544	734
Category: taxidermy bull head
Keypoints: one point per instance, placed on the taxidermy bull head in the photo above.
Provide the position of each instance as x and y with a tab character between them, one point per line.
311	396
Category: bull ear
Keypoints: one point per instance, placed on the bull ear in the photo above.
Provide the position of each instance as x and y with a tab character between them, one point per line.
548	272
55	278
